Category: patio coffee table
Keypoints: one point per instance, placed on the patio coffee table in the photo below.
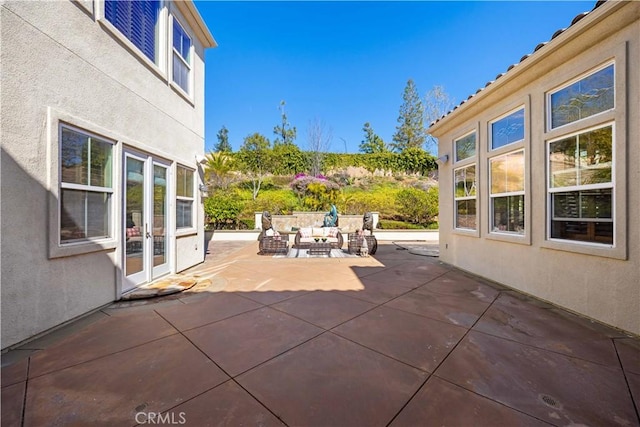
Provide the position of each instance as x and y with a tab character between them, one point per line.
320	248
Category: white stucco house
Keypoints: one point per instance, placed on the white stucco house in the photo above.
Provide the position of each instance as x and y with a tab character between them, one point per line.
102	125
539	171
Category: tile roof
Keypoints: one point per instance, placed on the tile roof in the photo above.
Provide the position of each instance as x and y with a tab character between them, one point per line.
540	45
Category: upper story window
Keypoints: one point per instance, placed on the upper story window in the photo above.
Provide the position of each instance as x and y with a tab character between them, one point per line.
184	197
589	95
465	147
86	186
138	21
581	186
508	129
181	57
465	197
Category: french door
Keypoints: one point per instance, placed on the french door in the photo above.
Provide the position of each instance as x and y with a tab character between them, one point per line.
146	219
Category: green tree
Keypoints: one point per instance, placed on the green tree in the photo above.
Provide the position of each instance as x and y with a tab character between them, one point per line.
223	145
285	133
256	157
217	170
290	160
372	143
410	131
416	160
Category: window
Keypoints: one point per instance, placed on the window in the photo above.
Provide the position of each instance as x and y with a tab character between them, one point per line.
507	193
586	97
465	146
181	56
184	198
581	186
138	21
85	186
507	130
465	197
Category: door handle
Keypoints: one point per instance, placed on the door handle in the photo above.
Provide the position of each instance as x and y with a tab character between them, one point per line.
146	231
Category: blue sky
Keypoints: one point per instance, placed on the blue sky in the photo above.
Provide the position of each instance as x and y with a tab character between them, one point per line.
347	63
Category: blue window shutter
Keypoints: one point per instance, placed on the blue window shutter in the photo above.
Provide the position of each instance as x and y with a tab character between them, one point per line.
136	20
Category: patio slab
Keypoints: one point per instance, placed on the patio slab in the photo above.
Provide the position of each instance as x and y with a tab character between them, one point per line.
393	339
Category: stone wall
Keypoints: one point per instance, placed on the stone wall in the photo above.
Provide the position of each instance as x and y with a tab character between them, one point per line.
296	220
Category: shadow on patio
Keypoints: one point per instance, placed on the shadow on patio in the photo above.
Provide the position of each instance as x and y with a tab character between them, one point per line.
395	339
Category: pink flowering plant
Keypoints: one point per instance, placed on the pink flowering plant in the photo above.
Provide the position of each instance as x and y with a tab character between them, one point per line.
315	192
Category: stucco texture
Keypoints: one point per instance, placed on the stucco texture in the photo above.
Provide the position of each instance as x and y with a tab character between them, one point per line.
598	281
78	73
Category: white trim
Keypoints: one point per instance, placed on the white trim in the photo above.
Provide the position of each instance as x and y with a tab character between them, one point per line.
558	88
576	188
56	120
490	123
455	146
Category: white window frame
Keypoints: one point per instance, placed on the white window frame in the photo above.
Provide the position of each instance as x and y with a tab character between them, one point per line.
56	120
599	186
189	64
86	187
455	146
192	199
501	117
582	76
493	196
616	54
457	199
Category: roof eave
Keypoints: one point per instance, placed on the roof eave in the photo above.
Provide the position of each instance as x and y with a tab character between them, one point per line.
578	25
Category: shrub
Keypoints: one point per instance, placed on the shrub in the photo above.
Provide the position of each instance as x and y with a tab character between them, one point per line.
222	210
278	202
388	224
417	206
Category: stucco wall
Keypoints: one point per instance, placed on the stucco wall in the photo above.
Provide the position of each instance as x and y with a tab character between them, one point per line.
79	72
603	284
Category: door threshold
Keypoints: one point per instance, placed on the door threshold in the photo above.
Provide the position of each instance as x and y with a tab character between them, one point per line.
166	285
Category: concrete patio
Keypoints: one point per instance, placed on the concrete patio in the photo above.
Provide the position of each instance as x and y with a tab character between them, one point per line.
396	339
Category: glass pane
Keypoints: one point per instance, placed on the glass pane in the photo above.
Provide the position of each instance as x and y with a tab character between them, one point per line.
84	215
100	163
159	215
466	147
507	173
180	73
134	216
584	98
595	156
184	182
562	159
508	130
184	213
590	204
74	153
508	214
582	159
583	231
465	182
181	41
466	214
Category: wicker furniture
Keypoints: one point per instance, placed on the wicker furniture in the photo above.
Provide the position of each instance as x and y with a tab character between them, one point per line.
355	244
320	248
304	237
274	245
